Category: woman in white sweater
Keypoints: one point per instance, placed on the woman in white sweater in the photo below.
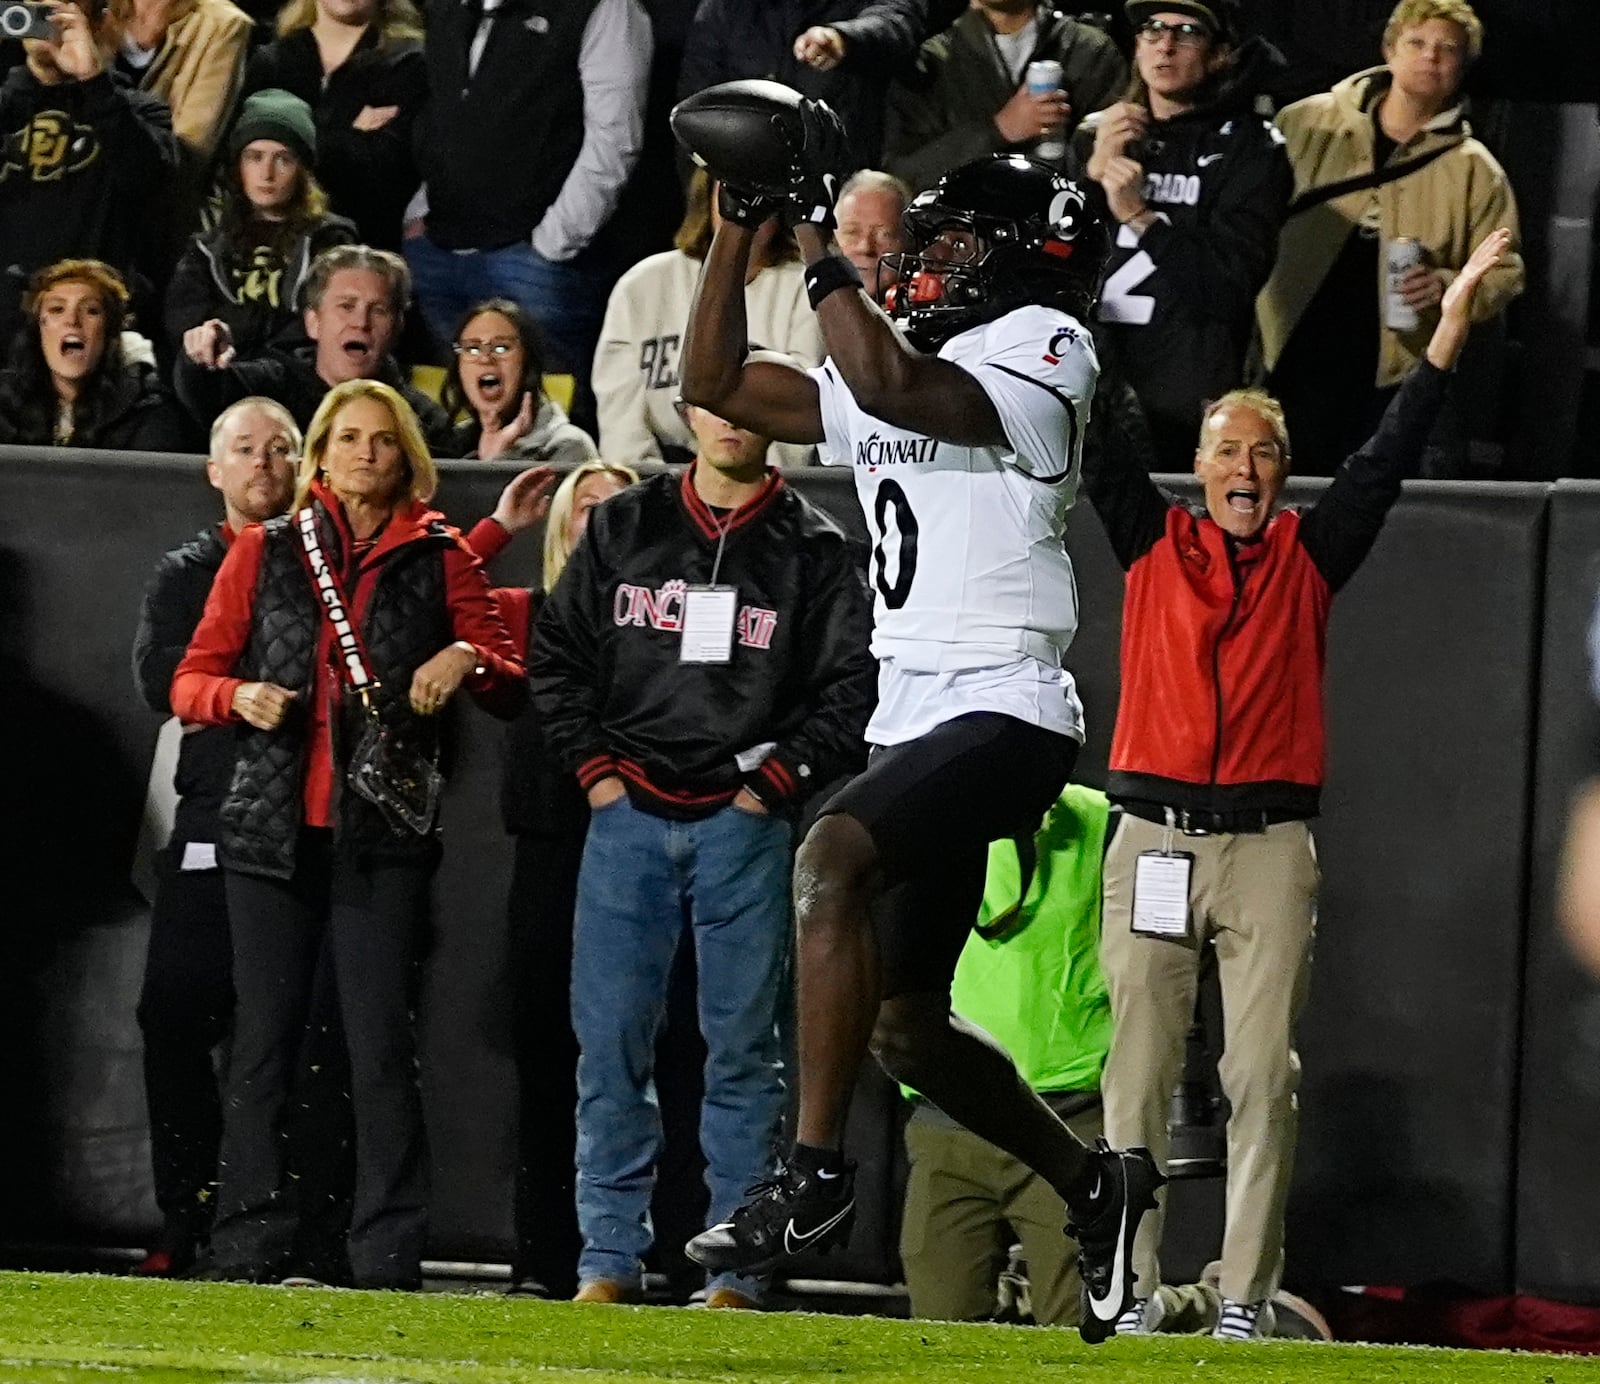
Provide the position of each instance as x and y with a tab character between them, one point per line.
636	367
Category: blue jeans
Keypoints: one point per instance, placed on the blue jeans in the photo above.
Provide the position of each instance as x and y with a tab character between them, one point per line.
567	300
641	877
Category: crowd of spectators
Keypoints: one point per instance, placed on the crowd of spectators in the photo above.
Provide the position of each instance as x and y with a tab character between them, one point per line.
243	230
208	161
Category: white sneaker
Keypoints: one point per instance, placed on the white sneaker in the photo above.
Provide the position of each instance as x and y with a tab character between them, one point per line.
1243	1321
1131	1322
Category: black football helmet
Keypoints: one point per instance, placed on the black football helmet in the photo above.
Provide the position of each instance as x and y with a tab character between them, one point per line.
1038	242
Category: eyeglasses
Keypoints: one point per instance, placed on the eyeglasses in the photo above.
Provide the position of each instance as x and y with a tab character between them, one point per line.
498	347
1185	35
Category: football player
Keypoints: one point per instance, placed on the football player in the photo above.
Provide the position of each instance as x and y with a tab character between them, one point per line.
962	412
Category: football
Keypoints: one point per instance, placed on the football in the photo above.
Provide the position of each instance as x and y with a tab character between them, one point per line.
743	133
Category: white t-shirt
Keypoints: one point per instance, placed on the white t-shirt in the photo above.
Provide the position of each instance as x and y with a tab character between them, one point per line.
974	597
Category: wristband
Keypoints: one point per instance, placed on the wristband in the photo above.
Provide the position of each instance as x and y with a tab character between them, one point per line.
828	274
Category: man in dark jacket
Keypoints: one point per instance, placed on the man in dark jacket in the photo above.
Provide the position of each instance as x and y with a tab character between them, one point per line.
355	300
702	667
1198	185
186	1007
1217	765
85	159
845	53
969	94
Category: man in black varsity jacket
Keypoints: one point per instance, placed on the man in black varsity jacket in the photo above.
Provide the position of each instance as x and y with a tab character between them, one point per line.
701	666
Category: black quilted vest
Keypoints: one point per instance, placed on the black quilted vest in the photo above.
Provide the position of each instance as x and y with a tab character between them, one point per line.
405	623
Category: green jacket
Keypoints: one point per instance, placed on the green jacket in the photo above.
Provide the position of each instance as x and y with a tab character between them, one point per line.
942	116
1034	984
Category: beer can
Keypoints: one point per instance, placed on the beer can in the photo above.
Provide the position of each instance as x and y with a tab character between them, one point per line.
1400	256
1044	78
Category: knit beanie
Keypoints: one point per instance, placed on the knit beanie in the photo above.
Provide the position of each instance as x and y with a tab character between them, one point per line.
280	115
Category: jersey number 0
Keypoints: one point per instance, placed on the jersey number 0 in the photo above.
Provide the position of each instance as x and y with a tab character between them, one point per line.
891	497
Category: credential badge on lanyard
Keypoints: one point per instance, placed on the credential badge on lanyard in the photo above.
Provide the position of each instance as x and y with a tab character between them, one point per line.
709	613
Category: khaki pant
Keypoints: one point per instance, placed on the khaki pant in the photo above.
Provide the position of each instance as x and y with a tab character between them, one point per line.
966	1204
1254	895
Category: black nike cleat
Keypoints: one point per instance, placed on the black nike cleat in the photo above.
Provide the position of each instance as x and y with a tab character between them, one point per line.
799	1210
1128	1184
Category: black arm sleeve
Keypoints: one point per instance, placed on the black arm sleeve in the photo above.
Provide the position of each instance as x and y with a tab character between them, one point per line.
1340	529
205	393
564	664
1116	473
135	130
885	36
192	297
706	60
173	603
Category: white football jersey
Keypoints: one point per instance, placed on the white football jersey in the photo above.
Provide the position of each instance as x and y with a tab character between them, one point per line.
974	597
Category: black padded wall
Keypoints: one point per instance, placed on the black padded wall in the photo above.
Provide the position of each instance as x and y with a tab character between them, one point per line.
1409	1044
1410	1037
1558	1201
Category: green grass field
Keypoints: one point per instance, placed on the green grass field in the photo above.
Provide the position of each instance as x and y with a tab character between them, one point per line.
80	1328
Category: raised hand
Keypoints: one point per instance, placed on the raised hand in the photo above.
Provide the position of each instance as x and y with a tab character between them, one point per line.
74	50
814	175
526	499
1118	126
1455	311
1491	250
495	437
747	209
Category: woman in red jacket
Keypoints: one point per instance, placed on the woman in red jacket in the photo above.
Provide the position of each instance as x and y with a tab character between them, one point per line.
332	638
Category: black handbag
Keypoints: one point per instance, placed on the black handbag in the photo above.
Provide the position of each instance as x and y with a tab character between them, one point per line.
399	779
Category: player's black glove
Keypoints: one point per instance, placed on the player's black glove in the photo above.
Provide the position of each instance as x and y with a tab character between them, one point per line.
747	209
817	168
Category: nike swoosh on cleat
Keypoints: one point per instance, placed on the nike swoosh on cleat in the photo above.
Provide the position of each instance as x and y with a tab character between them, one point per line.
1109	1308
793	1243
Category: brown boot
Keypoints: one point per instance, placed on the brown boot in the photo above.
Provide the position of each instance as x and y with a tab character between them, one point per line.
609	1290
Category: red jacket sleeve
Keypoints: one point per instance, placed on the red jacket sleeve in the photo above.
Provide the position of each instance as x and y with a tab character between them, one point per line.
488	539
203	686
502	687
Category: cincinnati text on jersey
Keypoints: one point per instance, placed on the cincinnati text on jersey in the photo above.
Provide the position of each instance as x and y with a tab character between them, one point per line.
875	451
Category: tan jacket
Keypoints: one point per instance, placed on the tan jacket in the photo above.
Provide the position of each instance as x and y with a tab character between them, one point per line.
1449	206
198	70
